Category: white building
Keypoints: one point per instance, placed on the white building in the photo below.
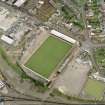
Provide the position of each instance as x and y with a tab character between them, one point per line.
7	39
18	3
62	36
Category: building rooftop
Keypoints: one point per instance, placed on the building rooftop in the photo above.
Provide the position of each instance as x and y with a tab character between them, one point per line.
7	39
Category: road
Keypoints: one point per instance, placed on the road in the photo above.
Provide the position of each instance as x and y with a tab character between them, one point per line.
13	94
15	98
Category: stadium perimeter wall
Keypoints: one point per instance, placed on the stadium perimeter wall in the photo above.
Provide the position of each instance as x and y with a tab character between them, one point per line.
35	75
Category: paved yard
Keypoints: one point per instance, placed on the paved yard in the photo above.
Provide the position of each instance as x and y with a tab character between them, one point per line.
72	80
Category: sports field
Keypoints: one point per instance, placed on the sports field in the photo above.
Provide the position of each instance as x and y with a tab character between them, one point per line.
48	56
95	88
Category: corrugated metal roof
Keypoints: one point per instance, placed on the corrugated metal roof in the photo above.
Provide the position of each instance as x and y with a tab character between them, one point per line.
58	34
7	39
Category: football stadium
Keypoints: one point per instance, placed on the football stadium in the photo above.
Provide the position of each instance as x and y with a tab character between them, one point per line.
48	57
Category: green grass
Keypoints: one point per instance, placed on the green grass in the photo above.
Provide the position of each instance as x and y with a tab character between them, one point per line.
68	13
9	62
48	56
95	20
100	56
16	67
94	88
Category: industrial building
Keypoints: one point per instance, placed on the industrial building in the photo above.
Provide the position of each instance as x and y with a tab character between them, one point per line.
64	37
6	19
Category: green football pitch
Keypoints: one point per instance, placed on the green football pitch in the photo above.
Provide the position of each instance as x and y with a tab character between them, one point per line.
95	88
48	56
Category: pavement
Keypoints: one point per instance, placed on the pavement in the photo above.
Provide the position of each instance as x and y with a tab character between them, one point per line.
72	80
